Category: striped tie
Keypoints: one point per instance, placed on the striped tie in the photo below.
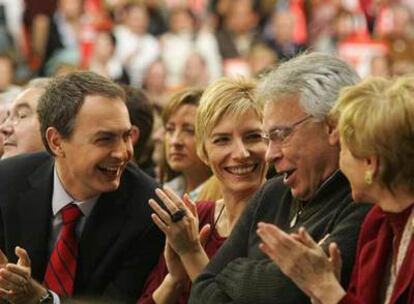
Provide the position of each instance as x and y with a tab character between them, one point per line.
61	270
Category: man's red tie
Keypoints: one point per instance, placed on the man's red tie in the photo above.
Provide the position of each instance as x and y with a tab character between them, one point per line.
61	270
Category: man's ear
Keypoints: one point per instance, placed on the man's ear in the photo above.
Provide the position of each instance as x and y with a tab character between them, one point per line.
134	135
55	142
333	135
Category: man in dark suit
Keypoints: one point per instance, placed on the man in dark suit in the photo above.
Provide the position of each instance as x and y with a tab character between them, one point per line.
107	250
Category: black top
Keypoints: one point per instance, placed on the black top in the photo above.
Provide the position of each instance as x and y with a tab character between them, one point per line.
242	273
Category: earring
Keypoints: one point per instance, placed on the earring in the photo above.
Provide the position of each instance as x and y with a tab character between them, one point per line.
368	177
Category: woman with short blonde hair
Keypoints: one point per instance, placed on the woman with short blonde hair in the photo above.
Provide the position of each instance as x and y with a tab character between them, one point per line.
229	137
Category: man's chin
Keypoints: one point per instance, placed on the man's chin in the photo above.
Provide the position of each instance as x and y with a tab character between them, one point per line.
9	152
109	186
300	194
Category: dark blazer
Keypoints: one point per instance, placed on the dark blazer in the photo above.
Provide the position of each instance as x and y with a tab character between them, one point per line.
119	245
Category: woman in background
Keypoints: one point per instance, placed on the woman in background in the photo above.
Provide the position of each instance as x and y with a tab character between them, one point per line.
229	139
184	171
375	120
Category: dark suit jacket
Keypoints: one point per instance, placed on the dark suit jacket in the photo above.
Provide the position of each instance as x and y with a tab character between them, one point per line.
119	245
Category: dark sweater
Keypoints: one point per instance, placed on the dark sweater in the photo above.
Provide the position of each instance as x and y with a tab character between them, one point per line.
242	273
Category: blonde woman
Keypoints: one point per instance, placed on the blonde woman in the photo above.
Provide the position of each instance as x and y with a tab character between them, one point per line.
376	129
229	140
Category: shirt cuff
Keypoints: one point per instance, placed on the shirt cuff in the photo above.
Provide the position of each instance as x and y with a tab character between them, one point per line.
56	299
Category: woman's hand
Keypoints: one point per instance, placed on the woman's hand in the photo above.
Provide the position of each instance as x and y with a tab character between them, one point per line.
304	261
174	265
183	235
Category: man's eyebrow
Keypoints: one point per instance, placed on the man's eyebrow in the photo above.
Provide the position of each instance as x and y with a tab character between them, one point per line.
22	105
274	128
112	133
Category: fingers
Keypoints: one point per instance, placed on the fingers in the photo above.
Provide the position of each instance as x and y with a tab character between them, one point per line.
204	234
5	292
160	223
3	259
272	244
268	251
160	212
13	281
267	233
336	259
171	200
24	259
307	239
190	204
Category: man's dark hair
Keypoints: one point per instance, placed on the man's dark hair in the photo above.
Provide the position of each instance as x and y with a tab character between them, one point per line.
65	95
141	114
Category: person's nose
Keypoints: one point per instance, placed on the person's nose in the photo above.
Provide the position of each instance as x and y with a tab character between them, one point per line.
273	152
123	150
7	127
177	138
241	151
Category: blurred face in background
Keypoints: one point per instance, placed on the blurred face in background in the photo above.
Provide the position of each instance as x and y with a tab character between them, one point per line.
155	78
195	71
180	140
104	47
6	73
240	17
236	152
181	21
283	26
137	19
21	130
71	9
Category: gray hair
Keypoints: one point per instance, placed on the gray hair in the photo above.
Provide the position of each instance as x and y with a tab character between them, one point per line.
38	83
316	77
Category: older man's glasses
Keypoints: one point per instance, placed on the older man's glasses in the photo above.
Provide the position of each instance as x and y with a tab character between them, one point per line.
280	134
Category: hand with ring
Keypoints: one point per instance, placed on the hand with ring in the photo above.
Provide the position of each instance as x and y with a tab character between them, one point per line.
179	222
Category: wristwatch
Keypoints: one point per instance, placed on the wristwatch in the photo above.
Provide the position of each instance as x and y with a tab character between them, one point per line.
47	298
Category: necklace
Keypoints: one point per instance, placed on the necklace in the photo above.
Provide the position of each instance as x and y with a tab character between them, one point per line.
214	224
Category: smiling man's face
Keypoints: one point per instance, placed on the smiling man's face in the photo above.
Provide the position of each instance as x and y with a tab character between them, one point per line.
305	157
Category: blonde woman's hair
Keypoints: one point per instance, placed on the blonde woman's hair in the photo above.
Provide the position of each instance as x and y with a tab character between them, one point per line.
211	190
224	96
376	117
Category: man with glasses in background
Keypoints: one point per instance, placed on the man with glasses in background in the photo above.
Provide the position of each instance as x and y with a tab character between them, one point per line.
21	129
309	191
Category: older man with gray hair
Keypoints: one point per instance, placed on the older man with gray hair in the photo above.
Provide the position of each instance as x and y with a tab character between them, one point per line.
21	128
309	191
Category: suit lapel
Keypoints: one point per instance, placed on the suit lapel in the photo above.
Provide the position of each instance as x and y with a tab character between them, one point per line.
35	211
